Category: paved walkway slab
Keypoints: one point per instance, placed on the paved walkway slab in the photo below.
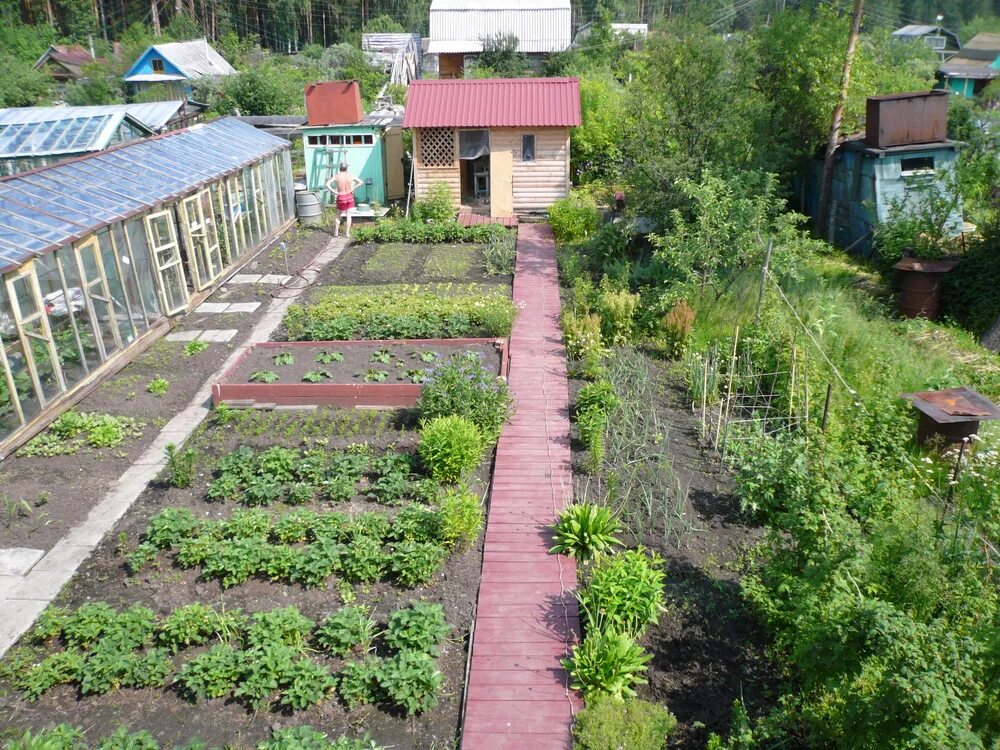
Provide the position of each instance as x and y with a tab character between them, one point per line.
518	694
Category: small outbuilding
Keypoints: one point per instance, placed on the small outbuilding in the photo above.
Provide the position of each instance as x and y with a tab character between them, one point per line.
399	55
972	69
944	42
64	62
499	144
459	29
175	66
337	130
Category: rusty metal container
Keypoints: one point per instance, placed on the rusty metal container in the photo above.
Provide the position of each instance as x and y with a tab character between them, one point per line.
334	103
952	414
904	119
920	286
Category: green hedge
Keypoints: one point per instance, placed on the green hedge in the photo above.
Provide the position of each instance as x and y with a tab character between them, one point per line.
402	311
405	230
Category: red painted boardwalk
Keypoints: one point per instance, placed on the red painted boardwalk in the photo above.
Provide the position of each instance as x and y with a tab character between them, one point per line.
469	219
518	695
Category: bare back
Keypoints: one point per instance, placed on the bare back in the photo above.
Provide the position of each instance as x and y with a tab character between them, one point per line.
344	183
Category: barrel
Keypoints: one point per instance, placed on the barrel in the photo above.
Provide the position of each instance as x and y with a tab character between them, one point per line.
308	208
920	282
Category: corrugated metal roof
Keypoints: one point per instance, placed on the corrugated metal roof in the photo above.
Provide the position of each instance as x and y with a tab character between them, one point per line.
915	29
459	26
493	103
197	59
154	115
45	209
72	135
961	66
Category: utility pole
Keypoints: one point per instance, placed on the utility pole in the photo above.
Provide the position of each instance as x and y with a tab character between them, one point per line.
823	220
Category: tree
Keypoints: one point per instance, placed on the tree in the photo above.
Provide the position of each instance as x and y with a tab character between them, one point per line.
269	88
596	147
500	58
21	85
101	86
384	24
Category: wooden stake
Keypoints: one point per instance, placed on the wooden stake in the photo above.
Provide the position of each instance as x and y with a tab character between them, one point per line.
826	407
724	407
763	282
704	393
791	387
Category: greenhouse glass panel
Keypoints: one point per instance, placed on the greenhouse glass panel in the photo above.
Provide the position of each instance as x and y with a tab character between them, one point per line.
11	386
61	305
95	287
79	308
36	338
167	260
142	262
120	305
130	279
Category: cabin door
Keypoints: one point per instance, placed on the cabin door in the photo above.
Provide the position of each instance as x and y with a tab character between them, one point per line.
501	184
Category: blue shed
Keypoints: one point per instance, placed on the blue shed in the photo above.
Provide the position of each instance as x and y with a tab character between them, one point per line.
175	65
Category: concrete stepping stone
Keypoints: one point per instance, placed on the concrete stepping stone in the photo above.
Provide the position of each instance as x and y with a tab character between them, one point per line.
17	561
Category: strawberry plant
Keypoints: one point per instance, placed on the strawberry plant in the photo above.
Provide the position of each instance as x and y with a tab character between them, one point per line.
264	376
210	675
410	680
305	683
359	681
347	629
191	625
364	560
415	563
419	627
326	358
286	626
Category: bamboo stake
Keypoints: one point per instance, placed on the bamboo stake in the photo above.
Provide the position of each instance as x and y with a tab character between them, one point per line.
729	388
704	394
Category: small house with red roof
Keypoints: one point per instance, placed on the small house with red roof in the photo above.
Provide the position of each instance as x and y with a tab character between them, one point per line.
64	62
501	144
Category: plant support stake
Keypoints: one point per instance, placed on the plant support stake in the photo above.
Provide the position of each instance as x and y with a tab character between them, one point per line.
763	282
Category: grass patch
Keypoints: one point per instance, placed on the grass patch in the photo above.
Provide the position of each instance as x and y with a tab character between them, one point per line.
390	261
450	261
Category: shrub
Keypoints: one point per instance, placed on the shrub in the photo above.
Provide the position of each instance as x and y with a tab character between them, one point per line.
624	593
585	531
460	385
574	217
437	207
609	724
462	518
607	663
582	332
450	447
617	309
676	328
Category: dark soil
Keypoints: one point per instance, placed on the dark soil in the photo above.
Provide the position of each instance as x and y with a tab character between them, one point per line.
404	361
164	586
59	491
709	648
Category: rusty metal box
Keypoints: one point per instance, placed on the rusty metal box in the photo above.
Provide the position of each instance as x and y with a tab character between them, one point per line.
903	119
333	103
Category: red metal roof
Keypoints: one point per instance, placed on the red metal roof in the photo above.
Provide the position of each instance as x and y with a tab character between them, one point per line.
71	53
493	103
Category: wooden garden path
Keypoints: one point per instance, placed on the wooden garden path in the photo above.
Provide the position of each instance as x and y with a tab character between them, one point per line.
518	694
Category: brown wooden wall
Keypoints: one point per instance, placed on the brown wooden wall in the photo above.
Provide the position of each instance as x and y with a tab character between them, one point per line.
537	185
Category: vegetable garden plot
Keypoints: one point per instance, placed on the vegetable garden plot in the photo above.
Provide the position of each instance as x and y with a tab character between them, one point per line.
348	373
312	573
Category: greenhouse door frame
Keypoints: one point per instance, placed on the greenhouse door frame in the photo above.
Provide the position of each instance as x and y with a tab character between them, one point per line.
174	264
27	272
97	289
202	239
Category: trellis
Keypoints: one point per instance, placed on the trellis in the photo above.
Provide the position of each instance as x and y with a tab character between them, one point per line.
437	147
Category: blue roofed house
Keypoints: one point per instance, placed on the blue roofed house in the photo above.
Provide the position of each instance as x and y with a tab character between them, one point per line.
972	69
175	66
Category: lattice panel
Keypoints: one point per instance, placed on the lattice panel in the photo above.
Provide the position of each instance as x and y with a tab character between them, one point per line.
437	147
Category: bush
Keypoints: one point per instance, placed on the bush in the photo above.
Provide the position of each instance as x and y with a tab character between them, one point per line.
408	230
582	332
624	593
401	312
592	424
617	308
607	663
460	385
438	206
574	217
450	447
609	724
585	531
462	518
676	327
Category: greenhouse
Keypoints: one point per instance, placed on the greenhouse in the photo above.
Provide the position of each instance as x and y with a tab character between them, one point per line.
97	252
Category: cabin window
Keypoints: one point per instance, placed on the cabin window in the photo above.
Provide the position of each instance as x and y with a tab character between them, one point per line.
336	140
437	147
157	65
473	143
369	140
527	148
917	164
357	140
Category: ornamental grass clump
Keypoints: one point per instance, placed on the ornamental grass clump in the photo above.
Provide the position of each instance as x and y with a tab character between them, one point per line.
461	386
450	447
585	531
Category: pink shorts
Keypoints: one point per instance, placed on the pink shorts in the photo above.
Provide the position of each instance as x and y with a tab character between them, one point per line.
345	202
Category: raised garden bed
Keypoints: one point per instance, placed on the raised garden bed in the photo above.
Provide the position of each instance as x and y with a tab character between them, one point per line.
384	373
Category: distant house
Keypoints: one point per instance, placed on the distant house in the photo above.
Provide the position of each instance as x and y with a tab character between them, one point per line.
903	153
64	62
635	31
338	131
459	27
938	38
175	65
978	63
500	143
32	137
399	55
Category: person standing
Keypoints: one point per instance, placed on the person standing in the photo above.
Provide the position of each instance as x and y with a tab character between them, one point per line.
343	185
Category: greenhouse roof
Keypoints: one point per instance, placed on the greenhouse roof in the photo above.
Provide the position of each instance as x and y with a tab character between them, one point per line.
55	134
47	208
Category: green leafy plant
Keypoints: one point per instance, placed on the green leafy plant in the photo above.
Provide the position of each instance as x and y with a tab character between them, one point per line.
582	332
213	674
381	355
426	357
460	385
585	531
315	376
499	255
462	518
607	663
415	563
574	217
450	447
326	358
158	386
264	376
359	681
181	465
190	625
283	359
347	629
676	327
191	348
438	206
411	680
376	376
419	627
624	593
607	723
72	430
